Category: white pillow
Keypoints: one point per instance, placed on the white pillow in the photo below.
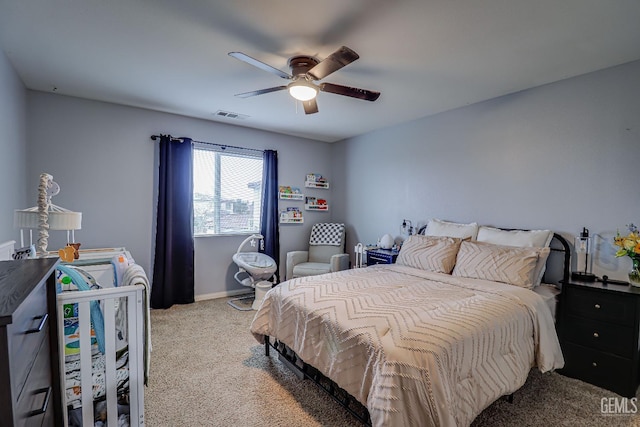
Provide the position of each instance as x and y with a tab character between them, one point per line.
437	227
498	263
521	239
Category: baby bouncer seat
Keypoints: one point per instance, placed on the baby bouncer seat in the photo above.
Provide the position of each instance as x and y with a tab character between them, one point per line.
254	270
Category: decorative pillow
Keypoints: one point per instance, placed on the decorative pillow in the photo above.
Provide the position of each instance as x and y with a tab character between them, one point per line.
498	263
437	227
521	239
431	253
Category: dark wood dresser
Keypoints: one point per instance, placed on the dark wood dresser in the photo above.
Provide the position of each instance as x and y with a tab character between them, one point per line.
29	361
599	335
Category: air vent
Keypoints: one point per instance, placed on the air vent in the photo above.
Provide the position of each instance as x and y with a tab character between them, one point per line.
230	115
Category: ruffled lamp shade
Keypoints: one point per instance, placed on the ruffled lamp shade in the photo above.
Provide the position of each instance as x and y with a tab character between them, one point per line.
58	219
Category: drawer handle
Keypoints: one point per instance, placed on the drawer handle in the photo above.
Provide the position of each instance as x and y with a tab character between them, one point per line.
596	335
43	409
43	321
594	364
597	306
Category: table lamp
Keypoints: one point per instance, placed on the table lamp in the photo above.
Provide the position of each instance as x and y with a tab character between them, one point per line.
583	261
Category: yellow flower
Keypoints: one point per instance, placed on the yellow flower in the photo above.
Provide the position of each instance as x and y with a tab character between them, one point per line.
630	244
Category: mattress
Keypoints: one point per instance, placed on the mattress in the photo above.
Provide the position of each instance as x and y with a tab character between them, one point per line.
414	347
73	378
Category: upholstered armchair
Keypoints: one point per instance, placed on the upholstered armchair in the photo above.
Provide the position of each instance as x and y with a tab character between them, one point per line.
325	254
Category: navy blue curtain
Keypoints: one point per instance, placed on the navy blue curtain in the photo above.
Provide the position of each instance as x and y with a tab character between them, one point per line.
173	269
269	216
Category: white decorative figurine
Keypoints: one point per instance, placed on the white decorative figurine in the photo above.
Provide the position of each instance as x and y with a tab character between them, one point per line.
386	241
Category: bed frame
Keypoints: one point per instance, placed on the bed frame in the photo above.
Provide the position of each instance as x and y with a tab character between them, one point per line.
107	298
303	370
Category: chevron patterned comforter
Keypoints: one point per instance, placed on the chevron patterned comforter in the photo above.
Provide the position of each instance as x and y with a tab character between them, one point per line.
416	348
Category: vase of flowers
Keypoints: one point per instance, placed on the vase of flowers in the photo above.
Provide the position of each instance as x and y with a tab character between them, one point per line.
630	246
634	274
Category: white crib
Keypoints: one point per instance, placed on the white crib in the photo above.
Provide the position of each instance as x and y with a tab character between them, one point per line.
109	299
6	250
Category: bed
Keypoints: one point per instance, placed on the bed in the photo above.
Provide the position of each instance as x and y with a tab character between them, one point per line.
431	340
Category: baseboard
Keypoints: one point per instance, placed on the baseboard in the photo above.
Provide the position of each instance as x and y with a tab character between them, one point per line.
223	294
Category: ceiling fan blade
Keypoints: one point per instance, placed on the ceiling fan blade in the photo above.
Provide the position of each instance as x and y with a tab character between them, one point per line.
353	92
310	106
335	61
266	67
260	92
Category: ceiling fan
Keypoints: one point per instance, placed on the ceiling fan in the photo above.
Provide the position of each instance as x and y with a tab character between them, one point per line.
305	71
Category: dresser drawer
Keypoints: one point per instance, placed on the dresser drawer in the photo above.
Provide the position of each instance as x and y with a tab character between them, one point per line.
616	339
26	333
49	417
602	369
36	398
612	307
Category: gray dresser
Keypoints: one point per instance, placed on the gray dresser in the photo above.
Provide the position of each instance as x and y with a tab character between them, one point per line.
29	361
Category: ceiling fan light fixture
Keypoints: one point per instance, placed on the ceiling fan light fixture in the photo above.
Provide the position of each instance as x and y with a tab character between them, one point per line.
302	90
306	72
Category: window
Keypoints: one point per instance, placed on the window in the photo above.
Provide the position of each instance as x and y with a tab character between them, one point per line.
227	190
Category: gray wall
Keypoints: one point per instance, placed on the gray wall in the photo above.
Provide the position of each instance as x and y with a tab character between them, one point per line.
561	156
106	165
13	151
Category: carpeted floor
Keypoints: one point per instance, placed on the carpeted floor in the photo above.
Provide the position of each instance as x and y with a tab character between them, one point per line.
208	370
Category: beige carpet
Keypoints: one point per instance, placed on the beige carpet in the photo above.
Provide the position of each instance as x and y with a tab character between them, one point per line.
207	370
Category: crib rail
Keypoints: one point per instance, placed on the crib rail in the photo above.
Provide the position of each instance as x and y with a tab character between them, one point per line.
135	311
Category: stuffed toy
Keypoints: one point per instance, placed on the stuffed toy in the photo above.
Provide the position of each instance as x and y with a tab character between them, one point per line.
70	252
76	249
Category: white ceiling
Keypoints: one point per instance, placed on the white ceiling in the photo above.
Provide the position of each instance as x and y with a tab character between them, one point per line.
424	56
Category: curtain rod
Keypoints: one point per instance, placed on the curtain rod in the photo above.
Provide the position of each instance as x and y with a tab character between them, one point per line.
223	146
